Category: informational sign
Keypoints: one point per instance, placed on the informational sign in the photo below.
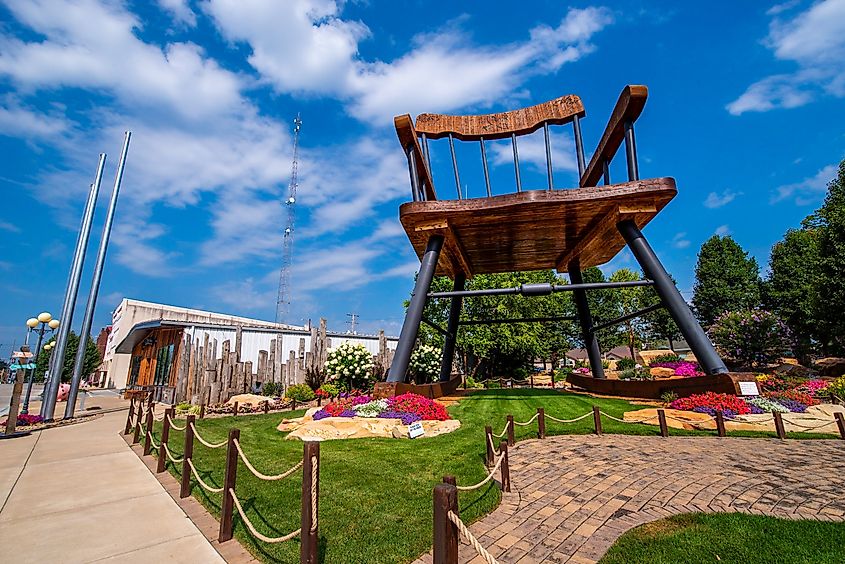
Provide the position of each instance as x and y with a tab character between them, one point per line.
416	430
748	389
22	354
16	366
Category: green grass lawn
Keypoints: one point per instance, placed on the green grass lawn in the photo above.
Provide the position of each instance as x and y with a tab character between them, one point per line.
375	494
730	538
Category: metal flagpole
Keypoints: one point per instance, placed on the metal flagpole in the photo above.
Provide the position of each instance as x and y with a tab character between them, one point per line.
95	284
51	387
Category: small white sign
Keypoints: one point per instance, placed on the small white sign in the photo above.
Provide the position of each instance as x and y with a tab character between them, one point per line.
415	430
748	389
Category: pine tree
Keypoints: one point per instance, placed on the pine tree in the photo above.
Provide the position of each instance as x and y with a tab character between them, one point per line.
726	279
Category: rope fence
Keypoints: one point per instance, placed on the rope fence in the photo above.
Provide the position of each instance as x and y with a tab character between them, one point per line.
455	520
231	504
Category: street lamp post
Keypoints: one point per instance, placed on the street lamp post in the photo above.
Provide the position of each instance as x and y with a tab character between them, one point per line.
46	321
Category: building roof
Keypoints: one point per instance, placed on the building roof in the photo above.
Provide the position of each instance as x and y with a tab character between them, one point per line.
581	354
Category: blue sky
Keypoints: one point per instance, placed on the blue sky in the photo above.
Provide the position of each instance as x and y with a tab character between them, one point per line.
745	111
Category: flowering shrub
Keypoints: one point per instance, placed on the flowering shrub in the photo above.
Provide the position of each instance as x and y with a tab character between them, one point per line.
681	367
751	338
723	402
329	390
350	366
836	388
583	370
425	363
407	407
814	388
25	419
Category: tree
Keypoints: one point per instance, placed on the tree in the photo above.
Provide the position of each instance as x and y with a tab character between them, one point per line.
790	291
92	359
628	301
830	284
604	306
726	279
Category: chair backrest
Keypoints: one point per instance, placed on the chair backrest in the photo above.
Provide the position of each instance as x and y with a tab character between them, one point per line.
415	137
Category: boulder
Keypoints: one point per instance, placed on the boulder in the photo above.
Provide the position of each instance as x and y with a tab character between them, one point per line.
291	424
831	366
646	357
662	372
675	418
248	399
794	370
332	428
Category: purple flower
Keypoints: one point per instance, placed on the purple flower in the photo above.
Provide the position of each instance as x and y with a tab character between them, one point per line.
728	414
322	414
792	405
407	418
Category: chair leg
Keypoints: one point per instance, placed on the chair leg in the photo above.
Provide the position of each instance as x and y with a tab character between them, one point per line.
586	320
408	336
672	299
452	329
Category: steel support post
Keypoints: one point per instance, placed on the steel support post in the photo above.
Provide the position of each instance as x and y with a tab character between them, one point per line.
452	329
591	344
672	299
413	317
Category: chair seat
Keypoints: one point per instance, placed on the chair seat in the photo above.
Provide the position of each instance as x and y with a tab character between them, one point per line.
534	229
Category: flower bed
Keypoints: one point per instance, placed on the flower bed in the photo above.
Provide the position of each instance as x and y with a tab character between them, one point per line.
25	420
407	407
681	367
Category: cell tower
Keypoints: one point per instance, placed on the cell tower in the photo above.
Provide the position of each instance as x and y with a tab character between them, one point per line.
283	299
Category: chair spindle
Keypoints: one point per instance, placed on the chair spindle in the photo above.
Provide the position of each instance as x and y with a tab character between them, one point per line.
579	145
484	162
516	163
606	171
548	156
415	180
455	165
631	152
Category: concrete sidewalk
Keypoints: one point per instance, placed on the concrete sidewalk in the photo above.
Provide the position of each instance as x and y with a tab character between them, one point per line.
77	494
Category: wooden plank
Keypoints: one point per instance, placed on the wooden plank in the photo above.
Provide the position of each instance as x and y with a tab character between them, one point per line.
500	125
535	229
628	108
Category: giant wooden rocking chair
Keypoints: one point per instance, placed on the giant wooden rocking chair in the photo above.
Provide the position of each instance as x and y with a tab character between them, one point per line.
567	230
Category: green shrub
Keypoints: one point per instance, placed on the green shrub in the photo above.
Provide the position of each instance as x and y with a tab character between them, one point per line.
625	363
668	397
605	364
300	392
636	374
561	374
186	408
471	383
270	389
670	357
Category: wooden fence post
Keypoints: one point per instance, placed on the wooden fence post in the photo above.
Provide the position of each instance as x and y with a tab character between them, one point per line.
266	407
450	480
661	418
541	423
137	436
148	438
511	440
597	419
488	439
532	380
129	416
779	425
165	435
310	507
227	507
840	422
720	423
187	454
506	472
202	411
445	532
235	410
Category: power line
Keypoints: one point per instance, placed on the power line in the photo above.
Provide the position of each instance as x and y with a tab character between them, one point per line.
353	322
283	298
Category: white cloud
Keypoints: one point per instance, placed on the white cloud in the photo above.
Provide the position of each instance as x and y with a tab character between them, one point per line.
532	151
180	11
245	295
325	48
717	200
807	191
680	241
813	39
24	122
723	230
782	7
10	227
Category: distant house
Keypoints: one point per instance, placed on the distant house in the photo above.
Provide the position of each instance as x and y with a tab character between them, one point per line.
576	356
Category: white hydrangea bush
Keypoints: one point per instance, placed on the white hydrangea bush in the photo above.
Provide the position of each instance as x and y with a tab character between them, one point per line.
425	363
350	366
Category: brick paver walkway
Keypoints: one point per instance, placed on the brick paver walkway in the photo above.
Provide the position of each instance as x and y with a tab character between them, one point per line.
573	496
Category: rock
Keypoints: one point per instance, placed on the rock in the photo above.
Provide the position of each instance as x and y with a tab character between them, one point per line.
332	428
662	372
675	418
794	370
291	424
690	357
831	366
646	357
248	399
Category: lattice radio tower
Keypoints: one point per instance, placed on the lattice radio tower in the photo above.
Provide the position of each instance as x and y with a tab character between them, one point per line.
283	299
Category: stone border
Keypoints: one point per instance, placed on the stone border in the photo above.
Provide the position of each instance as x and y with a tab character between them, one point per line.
231	551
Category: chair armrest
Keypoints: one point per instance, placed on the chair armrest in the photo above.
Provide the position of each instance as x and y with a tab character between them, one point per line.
408	138
628	108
